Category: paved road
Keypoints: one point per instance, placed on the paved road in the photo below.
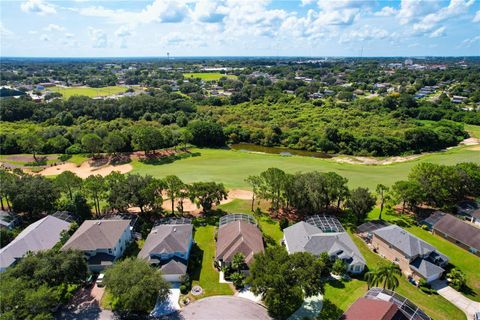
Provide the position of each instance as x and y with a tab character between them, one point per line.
463	303
224	307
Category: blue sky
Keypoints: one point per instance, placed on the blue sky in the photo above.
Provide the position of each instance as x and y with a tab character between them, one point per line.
84	28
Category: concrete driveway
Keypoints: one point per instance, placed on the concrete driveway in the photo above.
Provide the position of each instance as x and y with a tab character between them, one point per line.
167	307
224	307
463	303
85	305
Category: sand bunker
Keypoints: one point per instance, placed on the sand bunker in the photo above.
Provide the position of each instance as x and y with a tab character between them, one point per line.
85	169
470	141
375	161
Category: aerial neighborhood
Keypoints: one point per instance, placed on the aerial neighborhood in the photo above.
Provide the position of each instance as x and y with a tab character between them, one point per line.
240	160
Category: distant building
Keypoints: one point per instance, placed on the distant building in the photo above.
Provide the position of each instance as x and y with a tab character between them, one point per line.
408	62
39	236
470	210
459	232
102	241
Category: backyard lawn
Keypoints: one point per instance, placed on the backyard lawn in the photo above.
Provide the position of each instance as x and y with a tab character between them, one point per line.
208	76
232	167
207	277
434	305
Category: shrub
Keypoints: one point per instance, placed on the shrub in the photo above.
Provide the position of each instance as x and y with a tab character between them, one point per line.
64	157
284	223
74	149
183	289
237	279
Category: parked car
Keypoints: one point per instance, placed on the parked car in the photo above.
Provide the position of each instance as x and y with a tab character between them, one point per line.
99	281
476	316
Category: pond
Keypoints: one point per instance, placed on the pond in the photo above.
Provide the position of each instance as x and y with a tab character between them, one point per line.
278	150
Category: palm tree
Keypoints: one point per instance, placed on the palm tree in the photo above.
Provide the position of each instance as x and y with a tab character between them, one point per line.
372	278
238	261
387	275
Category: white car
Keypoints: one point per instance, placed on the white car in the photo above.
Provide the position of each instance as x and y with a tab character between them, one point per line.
99	281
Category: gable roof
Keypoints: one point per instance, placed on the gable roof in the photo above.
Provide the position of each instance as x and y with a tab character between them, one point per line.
459	230
304	237
371	309
167	238
97	234
174	266
40	235
238	236
404	241
425	268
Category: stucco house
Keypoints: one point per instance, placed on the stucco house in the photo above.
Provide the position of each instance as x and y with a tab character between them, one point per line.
320	234
415	257
463	234
168	246
38	236
102	241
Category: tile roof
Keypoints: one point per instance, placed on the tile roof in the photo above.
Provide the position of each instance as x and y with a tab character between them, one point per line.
459	230
238	236
40	235
167	238
370	309
97	234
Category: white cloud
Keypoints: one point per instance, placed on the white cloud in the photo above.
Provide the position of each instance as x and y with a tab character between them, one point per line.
470	41
307	2
5	32
477	17
414	10
209	11
98	37
69	35
122	33
440	32
54	27
44	37
364	34
454	9
386	12
38	6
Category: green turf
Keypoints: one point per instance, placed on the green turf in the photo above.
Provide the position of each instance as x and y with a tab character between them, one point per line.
209	277
78	159
87	91
434	305
208	76
343	293
464	260
474	131
232	167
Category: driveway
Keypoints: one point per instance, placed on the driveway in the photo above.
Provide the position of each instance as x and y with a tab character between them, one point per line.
247	294
463	303
167	307
85	305
224	307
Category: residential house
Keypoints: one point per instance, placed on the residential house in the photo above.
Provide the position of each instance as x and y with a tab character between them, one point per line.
470	210
433	219
324	234
102	241
7	219
168	246
238	233
459	232
383	304
38	236
416	258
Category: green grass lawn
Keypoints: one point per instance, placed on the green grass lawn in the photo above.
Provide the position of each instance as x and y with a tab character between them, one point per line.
474	131
232	167
208	76
78	159
434	305
87	91
207	277
343	293
464	260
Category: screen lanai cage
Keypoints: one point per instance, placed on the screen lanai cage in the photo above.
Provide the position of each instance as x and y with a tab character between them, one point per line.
236	217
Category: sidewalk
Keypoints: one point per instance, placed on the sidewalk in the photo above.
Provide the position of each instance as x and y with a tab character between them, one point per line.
463	303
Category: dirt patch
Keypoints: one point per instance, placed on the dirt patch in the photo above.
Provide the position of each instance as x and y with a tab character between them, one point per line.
471	142
85	169
476	147
27	158
375	161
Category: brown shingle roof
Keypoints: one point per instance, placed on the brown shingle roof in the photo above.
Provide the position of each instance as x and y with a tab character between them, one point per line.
97	234
238	236
369	309
459	230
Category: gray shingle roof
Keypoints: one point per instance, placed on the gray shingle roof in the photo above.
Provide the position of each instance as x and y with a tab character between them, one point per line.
404	241
304	237
40	235
425	268
459	230
174	267
167	238
97	234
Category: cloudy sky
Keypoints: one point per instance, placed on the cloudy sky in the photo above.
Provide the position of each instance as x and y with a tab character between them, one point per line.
239	28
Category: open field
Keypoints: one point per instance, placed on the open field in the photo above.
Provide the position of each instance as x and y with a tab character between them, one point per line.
208	76
232	167
464	260
474	131
87	91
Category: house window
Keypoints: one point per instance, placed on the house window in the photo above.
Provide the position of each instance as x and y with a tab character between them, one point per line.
109	250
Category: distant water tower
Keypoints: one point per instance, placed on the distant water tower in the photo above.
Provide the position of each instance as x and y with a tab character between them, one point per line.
168	55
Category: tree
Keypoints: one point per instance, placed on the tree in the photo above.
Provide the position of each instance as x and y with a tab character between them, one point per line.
382	193
31	143
285	280
238	262
256	183
173	187
113	143
388	275
408	193
147	138
135	285
339	267
206	134
78	205
7	182
361	202
206	194
273	185
68	182
143	191
92	143
95	187
185	138
372	278
456	279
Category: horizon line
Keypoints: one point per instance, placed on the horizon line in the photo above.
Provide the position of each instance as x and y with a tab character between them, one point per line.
239	56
